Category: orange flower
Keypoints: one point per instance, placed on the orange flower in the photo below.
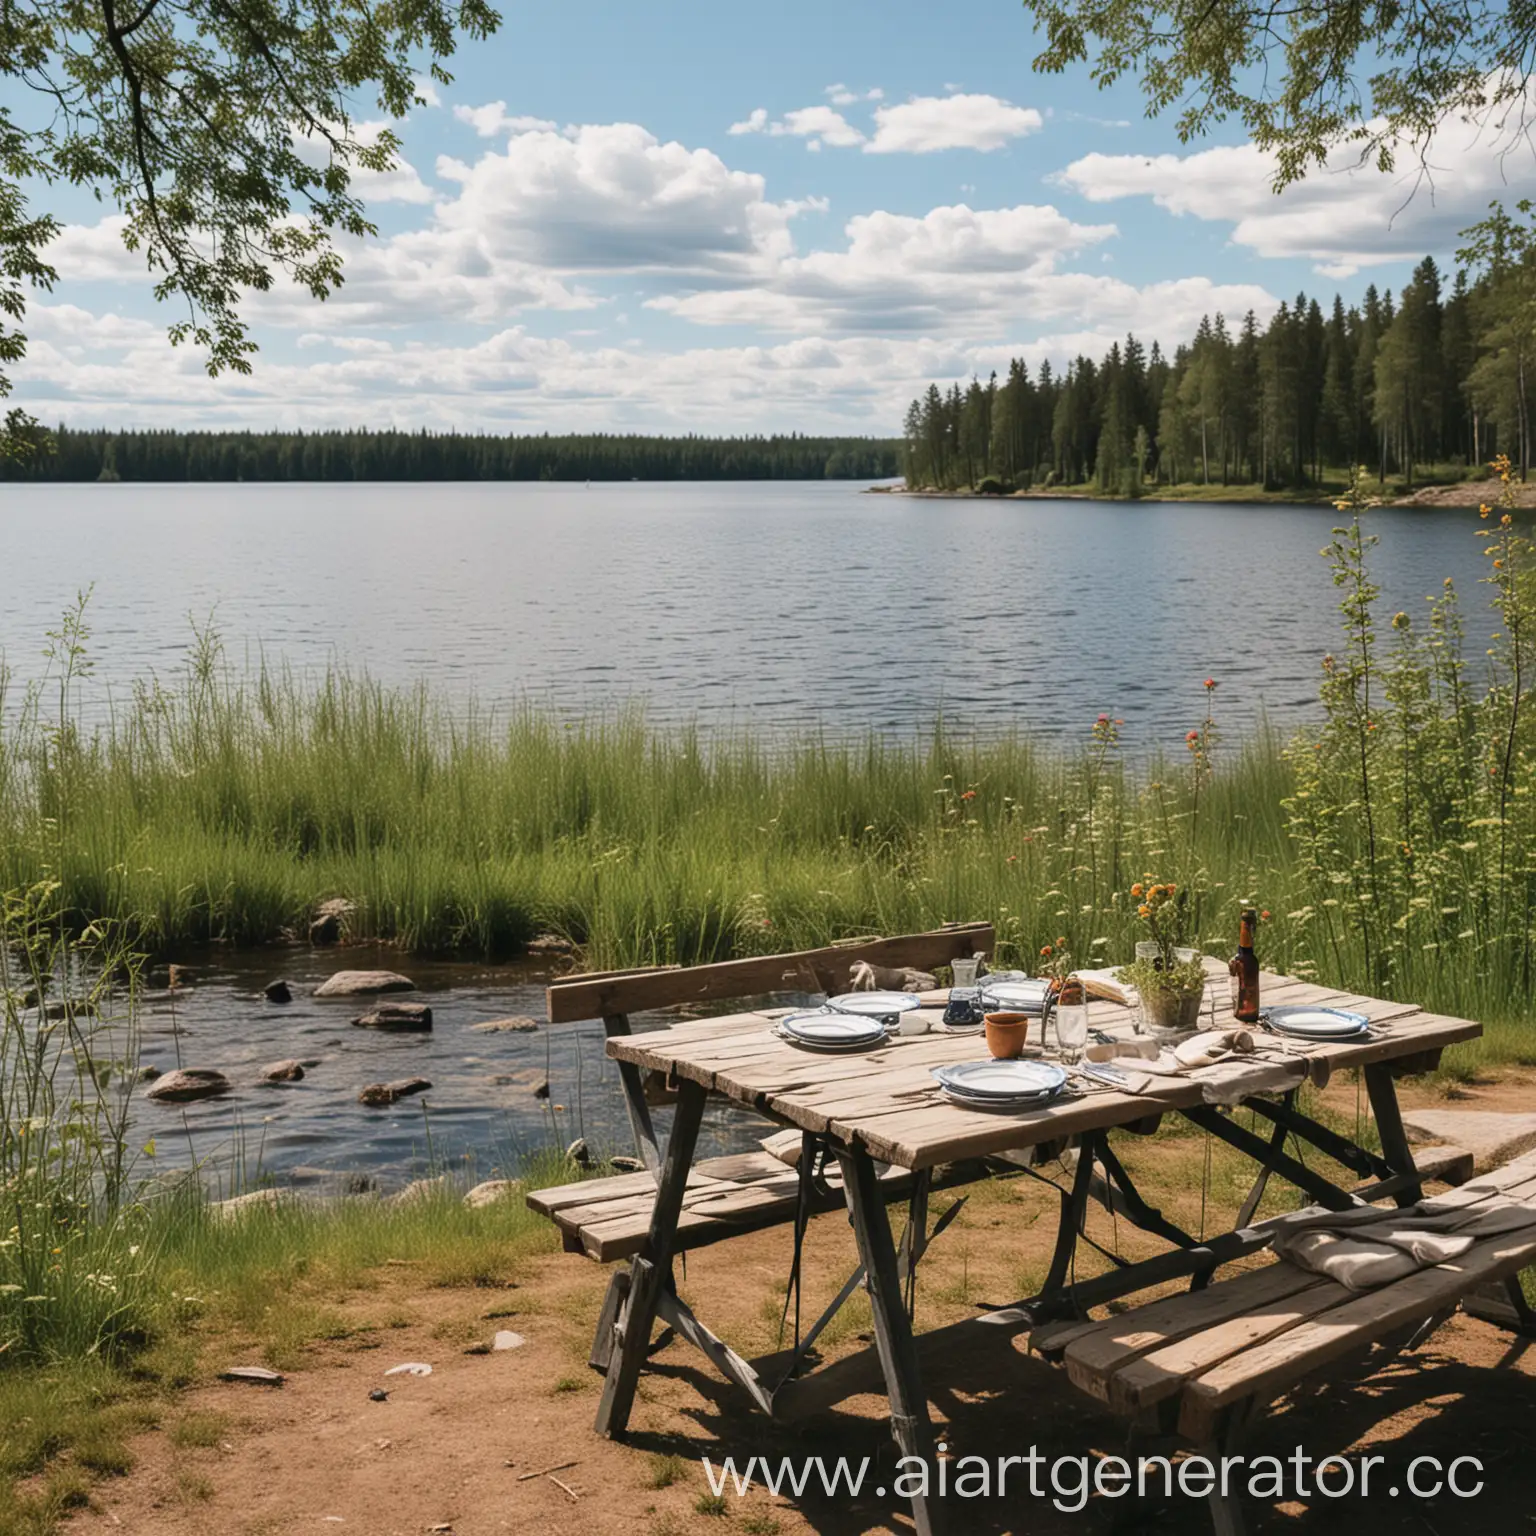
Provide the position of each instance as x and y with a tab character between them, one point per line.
1144	911
1138	889
1210	683
1045	949
1264	916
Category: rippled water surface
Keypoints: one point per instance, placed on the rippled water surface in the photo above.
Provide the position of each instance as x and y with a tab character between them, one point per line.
782	605
482	1102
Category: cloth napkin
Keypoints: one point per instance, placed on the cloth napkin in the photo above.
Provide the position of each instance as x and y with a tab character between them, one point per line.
1205	1050
1369	1247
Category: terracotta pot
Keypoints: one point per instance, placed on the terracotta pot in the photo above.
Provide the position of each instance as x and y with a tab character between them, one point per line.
1006	1034
1172	1010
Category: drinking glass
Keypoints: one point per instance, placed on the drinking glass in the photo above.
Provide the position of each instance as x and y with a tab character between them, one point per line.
965	971
1071	1020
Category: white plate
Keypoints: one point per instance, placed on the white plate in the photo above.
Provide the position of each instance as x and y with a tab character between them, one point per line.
1016	1079
995	1106
835	1029
1317	1023
878	1005
1017	996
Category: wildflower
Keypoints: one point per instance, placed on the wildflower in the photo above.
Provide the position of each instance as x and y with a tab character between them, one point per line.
1484	510
969	794
1506	521
1138	889
1399	621
1144	910
1210	684
1264	916
1045	949
1498	565
1103	719
1013	858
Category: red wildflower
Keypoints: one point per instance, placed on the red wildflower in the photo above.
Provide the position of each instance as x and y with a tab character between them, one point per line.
1210	683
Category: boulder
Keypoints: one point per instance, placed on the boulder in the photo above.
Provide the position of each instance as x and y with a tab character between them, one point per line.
395	1016
330	920
364	984
1490	1137
75	1007
258	1199
551	944
186	1084
283	1072
506	1339
278	992
513	1026
491	1191
415	1192
378	1095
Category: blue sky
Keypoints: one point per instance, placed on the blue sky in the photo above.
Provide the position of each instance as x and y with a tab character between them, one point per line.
710	217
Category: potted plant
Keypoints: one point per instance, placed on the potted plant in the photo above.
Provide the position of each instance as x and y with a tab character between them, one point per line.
1168	977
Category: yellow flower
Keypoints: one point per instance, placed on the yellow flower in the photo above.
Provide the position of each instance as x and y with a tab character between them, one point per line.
1144	911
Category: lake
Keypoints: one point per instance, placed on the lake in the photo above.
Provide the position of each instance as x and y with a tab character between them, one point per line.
786	607
783	606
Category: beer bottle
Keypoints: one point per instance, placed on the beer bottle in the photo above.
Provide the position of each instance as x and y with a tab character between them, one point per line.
1244	969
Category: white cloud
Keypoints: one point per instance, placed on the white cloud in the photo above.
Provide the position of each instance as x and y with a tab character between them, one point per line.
613	198
507	381
756	121
492	119
818	123
840	96
929	123
1343	217
959	272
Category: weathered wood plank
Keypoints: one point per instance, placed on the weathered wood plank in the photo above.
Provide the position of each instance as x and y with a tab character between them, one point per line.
578	997
1276	1364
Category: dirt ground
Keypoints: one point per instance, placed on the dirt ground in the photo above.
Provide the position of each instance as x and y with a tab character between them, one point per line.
467	1448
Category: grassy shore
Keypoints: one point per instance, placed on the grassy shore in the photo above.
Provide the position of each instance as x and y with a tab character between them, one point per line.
226	810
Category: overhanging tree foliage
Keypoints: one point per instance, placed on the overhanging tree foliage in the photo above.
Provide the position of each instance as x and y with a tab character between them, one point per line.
225	131
1307	78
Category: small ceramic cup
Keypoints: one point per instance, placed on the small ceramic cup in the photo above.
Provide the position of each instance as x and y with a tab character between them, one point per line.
1006	1034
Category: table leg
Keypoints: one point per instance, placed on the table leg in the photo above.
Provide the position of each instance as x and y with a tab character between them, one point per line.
652	1266
893	1332
1382	1088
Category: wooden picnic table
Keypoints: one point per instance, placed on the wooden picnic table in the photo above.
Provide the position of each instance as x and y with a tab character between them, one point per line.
883	1106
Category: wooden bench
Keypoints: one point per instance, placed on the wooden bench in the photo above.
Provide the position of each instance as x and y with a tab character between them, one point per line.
1203	1365
608	1219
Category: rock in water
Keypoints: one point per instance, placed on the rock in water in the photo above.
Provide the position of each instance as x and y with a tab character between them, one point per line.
514	1026
279	992
283	1072
396	1016
550	944
364	984
188	1083
330	920
380	1095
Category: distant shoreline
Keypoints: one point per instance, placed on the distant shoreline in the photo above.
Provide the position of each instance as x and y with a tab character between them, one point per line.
1468	495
